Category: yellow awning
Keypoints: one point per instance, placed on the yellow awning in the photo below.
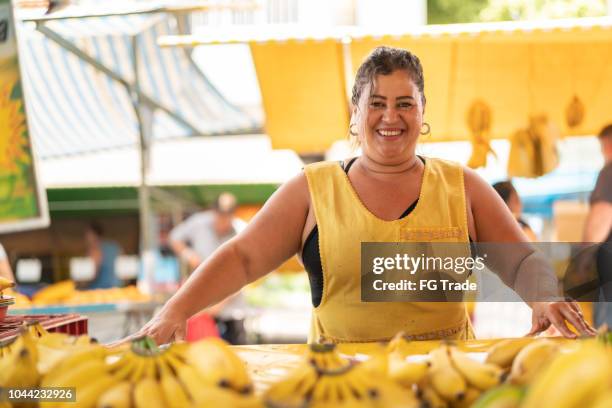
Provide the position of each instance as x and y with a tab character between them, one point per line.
518	69
303	93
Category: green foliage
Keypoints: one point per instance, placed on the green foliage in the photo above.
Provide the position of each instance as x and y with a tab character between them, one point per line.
465	11
454	11
503	10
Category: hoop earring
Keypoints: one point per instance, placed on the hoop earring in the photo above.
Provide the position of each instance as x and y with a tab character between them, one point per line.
428	131
351	131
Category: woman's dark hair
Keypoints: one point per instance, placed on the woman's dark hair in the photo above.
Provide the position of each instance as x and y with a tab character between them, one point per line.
606	132
505	190
383	61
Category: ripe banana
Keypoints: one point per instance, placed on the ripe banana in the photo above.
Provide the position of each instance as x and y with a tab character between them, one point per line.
148	393
471	395
5	283
174	394
603	401
481	376
118	396
19	370
429	396
88	394
190	378
572	378
506	396
294	389
94	352
531	359
406	373
219	365
503	353
76	374
445	380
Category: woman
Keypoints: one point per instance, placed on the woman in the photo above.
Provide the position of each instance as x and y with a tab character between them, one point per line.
364	202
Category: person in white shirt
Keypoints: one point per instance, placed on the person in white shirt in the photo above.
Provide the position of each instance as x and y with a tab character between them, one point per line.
195	239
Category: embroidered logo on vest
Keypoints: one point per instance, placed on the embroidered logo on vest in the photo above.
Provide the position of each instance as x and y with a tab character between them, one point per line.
430	234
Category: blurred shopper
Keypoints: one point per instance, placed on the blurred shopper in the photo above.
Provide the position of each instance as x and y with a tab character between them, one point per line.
510	196
103	252
388	193
598	228
5	266
195	240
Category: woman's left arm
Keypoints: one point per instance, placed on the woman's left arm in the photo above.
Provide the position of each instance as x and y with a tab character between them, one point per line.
490	221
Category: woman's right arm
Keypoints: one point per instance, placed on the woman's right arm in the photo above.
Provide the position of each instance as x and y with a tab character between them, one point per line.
273	236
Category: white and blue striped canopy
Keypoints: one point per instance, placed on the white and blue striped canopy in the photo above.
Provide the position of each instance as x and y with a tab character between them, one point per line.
75	108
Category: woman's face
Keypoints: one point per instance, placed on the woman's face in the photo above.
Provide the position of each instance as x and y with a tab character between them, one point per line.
393	118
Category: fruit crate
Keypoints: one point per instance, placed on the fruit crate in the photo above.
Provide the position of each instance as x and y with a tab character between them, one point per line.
73	324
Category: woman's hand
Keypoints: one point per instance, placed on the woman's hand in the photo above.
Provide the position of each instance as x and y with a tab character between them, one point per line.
557	313
166	326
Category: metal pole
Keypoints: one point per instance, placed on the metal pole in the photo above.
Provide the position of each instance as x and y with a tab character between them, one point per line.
143	114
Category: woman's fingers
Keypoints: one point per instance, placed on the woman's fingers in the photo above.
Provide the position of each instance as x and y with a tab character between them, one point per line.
558	320
577	320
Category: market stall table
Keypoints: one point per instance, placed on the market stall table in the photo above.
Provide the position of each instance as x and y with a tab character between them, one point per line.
133	315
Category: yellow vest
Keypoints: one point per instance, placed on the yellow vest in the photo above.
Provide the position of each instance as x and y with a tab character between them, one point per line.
344	223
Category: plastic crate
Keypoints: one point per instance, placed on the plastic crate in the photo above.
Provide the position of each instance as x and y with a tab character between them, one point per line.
72	324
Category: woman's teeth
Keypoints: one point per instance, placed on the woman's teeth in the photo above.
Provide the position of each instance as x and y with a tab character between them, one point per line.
390	132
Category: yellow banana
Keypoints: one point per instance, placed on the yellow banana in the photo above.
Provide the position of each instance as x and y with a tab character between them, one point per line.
77	374
148	394
20	371
503	353
531	359
219	365
118	396
406	373
481	376
430	397
572	378
189	377
72	361
471	395
88	394
445	380
5	283
325	357
175	395
294	389
604	400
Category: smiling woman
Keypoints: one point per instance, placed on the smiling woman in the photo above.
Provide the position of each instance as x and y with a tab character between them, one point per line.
387	194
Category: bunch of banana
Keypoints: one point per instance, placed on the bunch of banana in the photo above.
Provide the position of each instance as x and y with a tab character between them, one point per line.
325	379
18	363
218	365
531	360
145	376
574	379
449	378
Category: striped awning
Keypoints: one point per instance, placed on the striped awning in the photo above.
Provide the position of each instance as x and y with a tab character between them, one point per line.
74	107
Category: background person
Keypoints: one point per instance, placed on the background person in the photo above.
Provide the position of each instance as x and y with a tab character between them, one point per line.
387	193
195	240
103	252
508	193
598	228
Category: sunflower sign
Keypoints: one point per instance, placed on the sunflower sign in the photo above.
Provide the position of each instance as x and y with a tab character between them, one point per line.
23	203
